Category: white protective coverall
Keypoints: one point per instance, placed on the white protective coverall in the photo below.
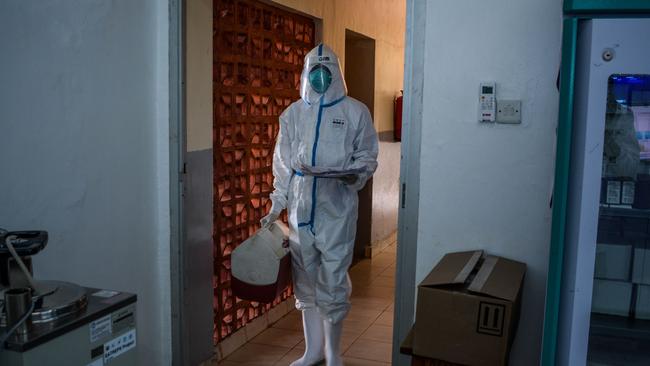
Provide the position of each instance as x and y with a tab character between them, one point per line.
322	130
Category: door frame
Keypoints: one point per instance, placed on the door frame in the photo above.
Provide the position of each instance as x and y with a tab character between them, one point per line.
177	143
560	191
408	215
606	6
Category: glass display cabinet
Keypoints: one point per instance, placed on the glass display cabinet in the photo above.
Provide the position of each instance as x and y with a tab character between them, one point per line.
598	292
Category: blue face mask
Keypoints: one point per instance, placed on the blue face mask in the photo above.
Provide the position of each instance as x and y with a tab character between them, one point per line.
320	78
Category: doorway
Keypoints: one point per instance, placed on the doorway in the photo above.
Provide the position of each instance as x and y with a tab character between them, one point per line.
233	98
360	80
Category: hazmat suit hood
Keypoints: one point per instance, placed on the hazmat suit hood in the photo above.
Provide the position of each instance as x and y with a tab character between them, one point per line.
322	55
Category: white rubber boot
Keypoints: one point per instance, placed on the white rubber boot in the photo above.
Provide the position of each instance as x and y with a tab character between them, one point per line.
333	333
312	324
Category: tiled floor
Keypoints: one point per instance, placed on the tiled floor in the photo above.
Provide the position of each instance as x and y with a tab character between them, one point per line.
367	331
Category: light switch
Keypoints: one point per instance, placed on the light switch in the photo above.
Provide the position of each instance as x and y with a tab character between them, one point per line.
509	111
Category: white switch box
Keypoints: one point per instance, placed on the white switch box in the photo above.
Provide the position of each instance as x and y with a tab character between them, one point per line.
509	111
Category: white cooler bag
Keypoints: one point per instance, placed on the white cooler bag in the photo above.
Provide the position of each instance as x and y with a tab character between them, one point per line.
261	265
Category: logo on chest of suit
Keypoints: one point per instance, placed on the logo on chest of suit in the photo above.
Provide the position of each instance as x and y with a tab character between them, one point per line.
338	123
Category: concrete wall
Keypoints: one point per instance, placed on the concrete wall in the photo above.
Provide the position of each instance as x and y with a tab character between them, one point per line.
85	151
487	186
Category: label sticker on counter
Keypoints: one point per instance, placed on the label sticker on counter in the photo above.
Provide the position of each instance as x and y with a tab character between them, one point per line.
105	293
101	328
119	345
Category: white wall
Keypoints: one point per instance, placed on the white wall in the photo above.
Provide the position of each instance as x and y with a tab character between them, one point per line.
385	190
486	186
85	151
199	74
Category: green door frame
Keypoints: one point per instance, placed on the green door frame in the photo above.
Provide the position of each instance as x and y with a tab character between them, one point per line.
576	10
606	6
560	191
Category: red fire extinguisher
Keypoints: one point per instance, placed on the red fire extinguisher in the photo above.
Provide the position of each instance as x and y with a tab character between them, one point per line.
397	117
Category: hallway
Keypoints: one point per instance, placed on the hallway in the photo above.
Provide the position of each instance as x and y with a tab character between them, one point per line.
367	331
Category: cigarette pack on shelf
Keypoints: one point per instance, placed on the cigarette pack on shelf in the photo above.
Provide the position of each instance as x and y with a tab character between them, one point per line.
617	191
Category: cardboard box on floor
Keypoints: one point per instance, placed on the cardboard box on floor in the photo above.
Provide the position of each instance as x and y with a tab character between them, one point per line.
468	309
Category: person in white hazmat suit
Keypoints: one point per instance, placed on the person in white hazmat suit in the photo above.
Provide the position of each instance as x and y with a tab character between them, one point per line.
328	130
